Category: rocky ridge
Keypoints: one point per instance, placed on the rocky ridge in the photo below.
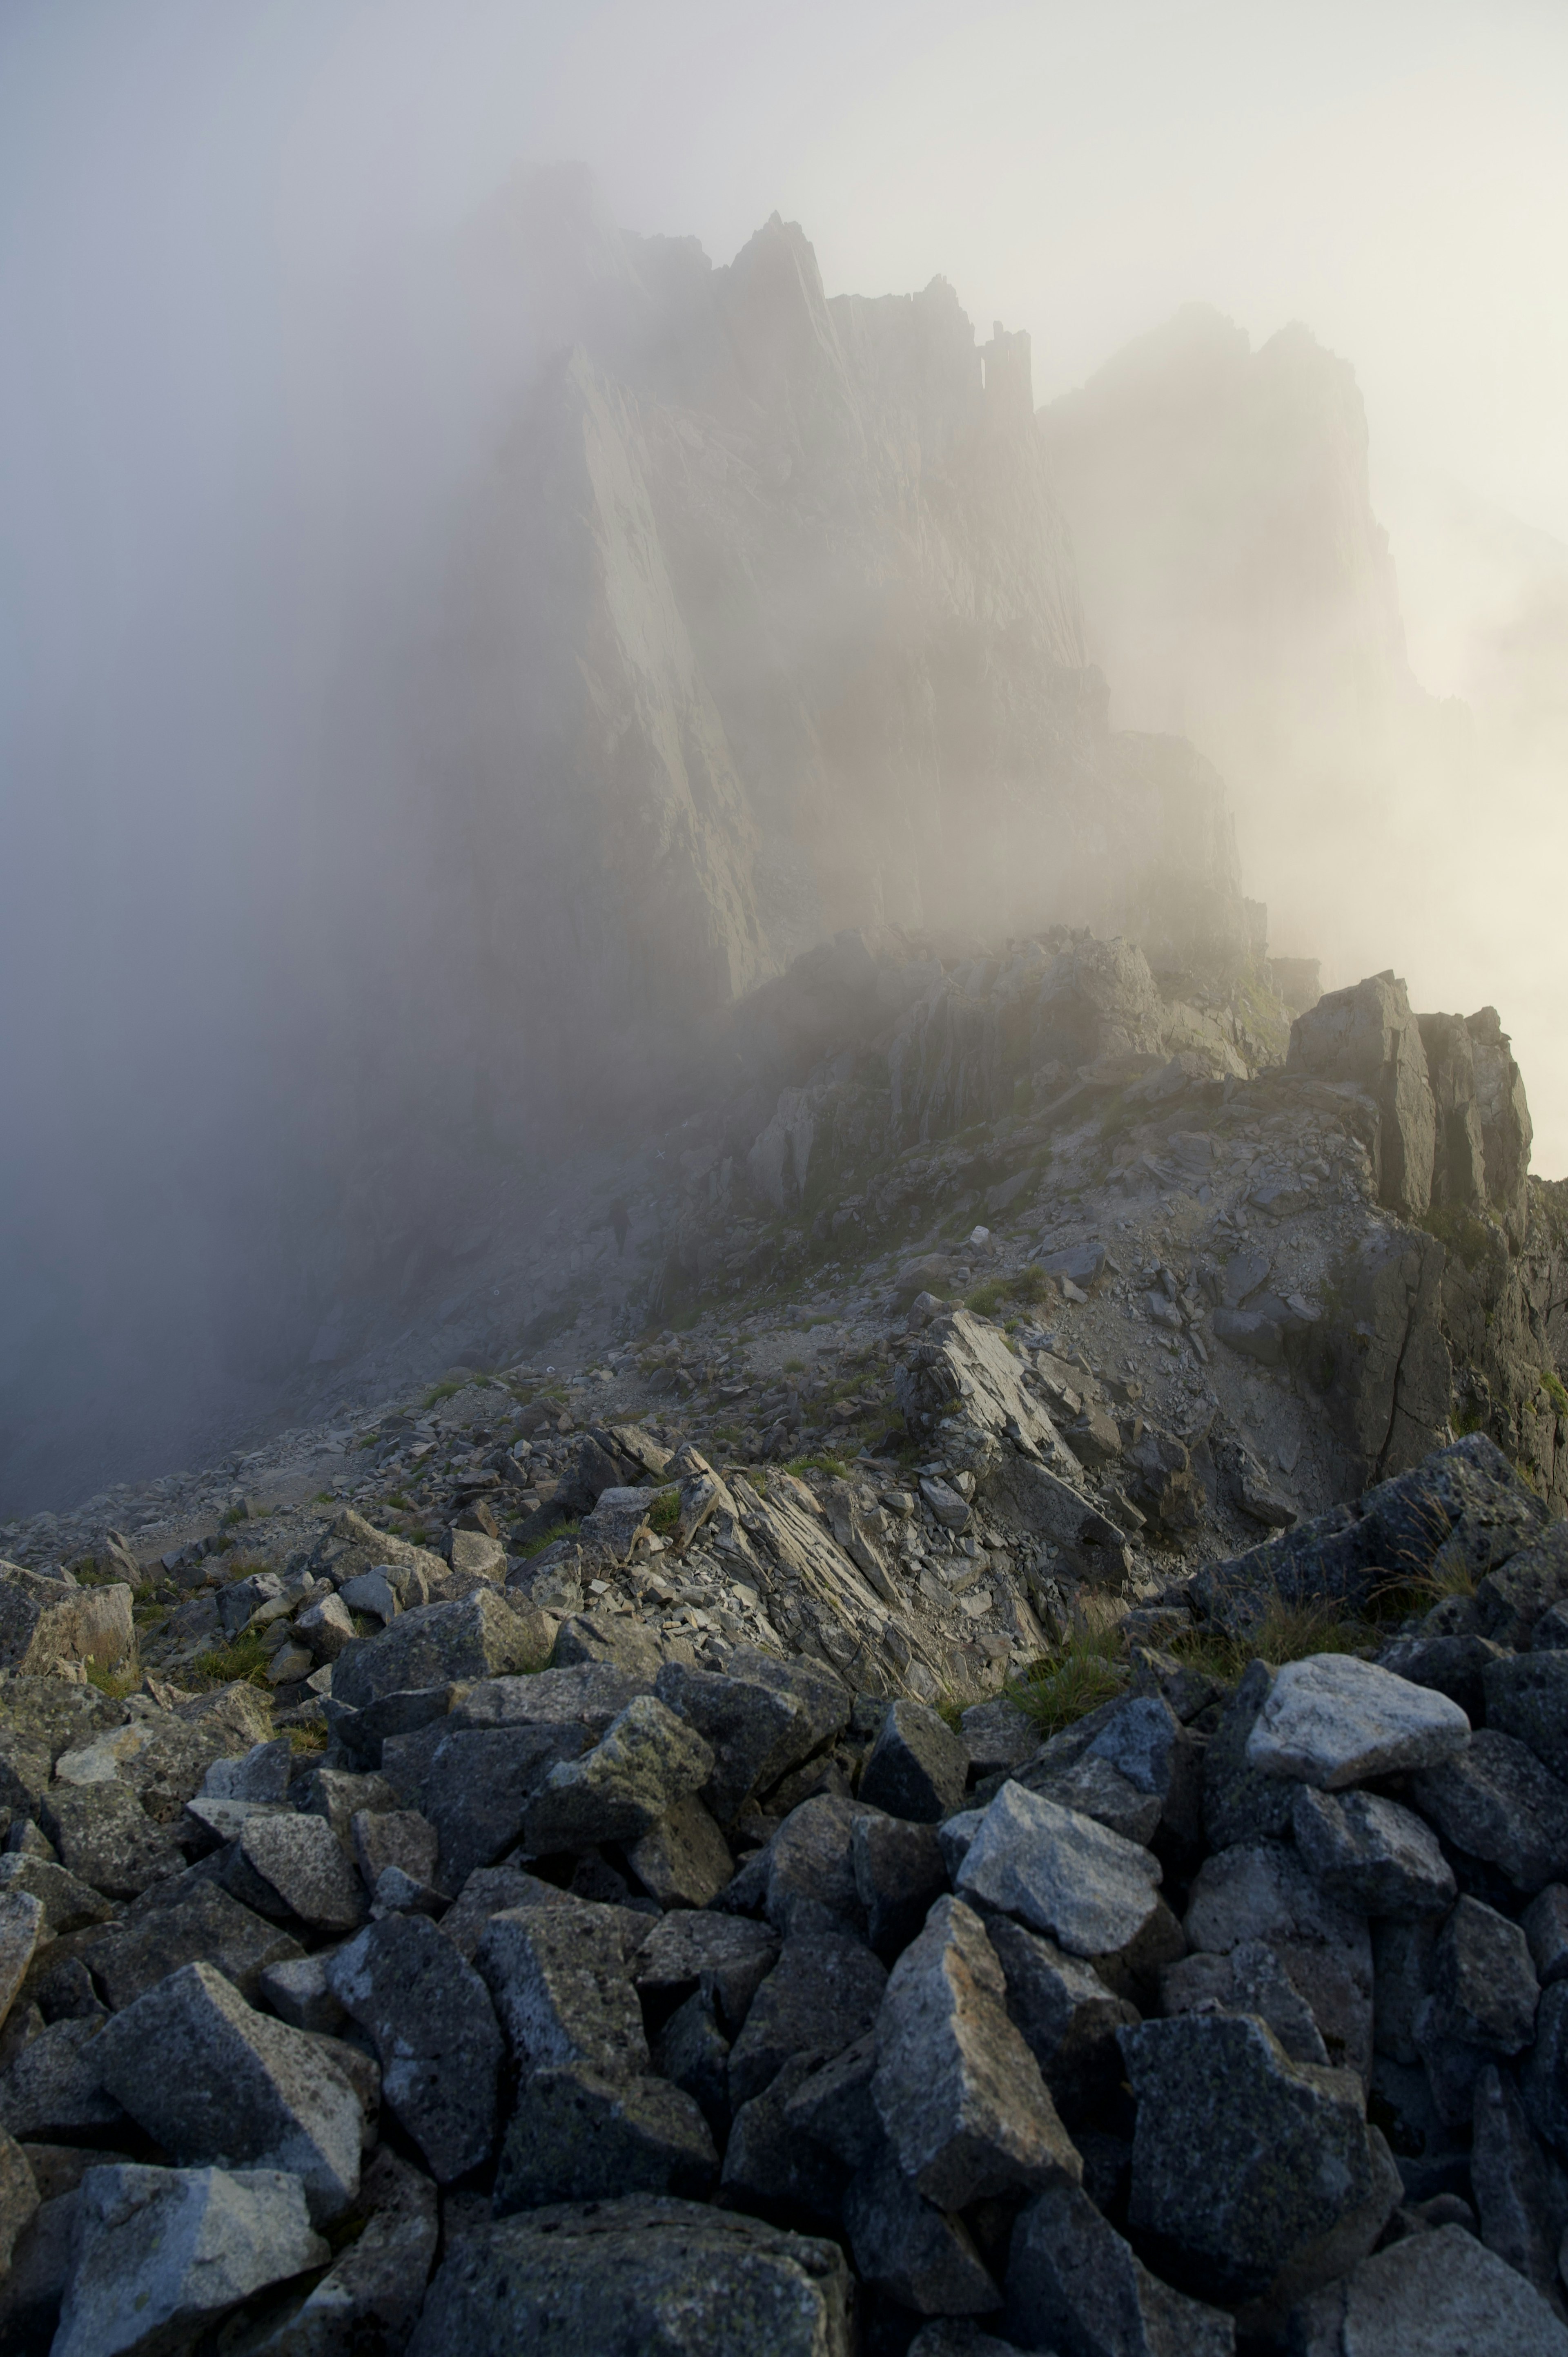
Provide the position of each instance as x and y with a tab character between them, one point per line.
615	1840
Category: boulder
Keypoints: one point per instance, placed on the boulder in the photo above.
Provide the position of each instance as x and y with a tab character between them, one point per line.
1371	1853
68	1904
1248	1979
899	1871
1066	2016
1483	1980
479	1636
1074	2284
52	2088
926	2260
624	2278
727	1956
162	2253
807	1872
46	1621
1442	2293
1059	1872
559	1981
1334	1720
301	1858
105	1837
479	1784
1239	1804
917	1767
583	2134
216	2084
823	1993
368	2301
429	2017
1521	2194
1245	2163
22	1921
645	1762
685	1860
18	2196
586	1695
1527	1697
1261	1891
187	1921
756	1731
1495	1802
956	2087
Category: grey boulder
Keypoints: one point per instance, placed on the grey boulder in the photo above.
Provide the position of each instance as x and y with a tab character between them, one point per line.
917	1767
925	2259
1442	2294
1521	2194
481	1635
366	2303
1074	2284
1527	1697
1066	2016
628	2278
823	1993
430	2018
1483	1980
1333	1720
1059	1872
646	1761
301	1858
583	2134
160	2253
1376	1856
1497	1802
186	1923
479	1784
562	1990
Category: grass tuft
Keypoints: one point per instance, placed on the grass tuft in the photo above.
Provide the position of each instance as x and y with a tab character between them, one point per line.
541	1539
1283	1633
117	1683
1067	1684
665	1511
242	1660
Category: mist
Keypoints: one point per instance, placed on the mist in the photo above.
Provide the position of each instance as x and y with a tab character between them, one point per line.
269	343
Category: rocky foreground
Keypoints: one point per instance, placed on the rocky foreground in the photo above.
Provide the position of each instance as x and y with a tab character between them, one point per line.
1006	1787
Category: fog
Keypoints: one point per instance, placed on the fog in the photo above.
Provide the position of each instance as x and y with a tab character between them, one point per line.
259	351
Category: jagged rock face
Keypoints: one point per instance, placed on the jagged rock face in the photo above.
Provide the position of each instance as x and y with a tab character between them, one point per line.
778	634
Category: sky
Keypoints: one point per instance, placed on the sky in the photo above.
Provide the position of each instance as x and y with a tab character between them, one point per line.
205	205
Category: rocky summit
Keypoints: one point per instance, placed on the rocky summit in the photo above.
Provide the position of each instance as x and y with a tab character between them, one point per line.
911	1697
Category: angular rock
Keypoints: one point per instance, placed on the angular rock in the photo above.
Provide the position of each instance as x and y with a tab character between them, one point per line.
195	1922
769	2161
1261	1892
68	1903
645	1762
478	1554
338	1794
106	1838
587	1695
1239	1804
807	1869
1527	1697
21	1923
18	2196
998	1735
626	2278
823	1993
927	2261
1074	2284
1454	1665
1334	1720
44	1622
369	2299
479	1636
479	1785
1375	1855
1086	1887
326	1627
1521	2194
1510	1601
295	1988
899	1871
1144	1741
1285	2158
52	2088
957	2088
685	1860
1066	2016
1484	1981
1442	2294
693	2052
833	2106
1545	1926
1092	1787
562	1990
1497	1802
582	2135
218	2085
917	1768
584	1636
1543	2081
726	1956
1249	1979
301	1858
162	2251
400	1838
430	2018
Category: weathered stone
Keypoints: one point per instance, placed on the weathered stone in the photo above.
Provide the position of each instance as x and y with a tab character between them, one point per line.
626	2278
807	1869
338	1794
263	1773
1066	2016
162	2251
724	1954
1545	1926
481	1785
918	1768
997	1734
185	1923
1484	1981
371	1594
1092	1787
1261	1892
325	1628
1497	1802
430	2018
369	2299
899	1871
693	2052
105	1837
1527	1696
1454	1665
400	1838
645	1762
22	1924
1074	2284
1144	1741
1512	1600
1521	2194
1286	2158
587	1695
1368	1034
481	1636
583	2134
833	2103
685	1860
1062	1874
957	2088
823	1994
18	2196
769	2161
301	1860
295	1988
927	2261
585	1637
1375	1855
368	1736
68	1904
1442	2294
217	2084
479	1553
559	1980
1543	2081
1239	1804
1334	1720
53	2087
1248	1979
44	1622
